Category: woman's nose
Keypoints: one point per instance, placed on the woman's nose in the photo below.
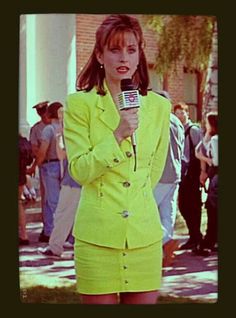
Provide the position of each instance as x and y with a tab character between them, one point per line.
123	55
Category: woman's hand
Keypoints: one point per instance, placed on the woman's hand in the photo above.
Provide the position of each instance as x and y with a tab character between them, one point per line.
128	124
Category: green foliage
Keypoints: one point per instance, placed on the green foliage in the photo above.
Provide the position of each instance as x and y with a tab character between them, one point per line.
182	39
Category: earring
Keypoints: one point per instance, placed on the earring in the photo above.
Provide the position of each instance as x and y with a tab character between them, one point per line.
101	66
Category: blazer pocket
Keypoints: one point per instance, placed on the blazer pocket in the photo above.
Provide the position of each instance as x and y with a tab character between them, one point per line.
93	194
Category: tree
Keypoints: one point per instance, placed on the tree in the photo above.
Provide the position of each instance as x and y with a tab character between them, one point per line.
186	39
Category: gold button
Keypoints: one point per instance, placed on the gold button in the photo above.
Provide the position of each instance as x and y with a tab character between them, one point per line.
126	184
116	160
128	154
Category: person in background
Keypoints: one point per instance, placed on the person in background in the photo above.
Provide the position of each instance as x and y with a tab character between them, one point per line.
190	204
166	191
48	161
64	215
118	235
35	139
66	207
25	158
207	151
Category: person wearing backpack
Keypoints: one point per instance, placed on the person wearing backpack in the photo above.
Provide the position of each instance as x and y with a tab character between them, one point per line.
190	204
166	191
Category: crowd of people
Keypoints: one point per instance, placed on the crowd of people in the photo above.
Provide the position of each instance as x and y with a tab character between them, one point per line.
122	222
59	193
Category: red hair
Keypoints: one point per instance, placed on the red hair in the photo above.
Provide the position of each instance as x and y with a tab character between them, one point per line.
181	106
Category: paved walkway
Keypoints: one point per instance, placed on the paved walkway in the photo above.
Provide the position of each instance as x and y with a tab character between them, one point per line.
190	276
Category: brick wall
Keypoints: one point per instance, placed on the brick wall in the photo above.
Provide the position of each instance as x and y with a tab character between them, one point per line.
175	85
87	25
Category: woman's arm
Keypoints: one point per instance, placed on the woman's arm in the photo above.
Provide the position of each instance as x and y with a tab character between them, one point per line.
200	156
203	163
87	162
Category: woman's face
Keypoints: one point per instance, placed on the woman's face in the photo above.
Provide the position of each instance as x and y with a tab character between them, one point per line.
208	126
60	113
182	115
120	59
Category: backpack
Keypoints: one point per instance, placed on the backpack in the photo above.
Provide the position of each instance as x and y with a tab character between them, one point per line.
193	167
25	151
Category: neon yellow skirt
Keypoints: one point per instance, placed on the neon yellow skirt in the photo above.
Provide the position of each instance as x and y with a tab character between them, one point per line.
103	270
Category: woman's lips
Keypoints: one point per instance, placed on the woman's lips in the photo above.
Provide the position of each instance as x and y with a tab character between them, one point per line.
122	69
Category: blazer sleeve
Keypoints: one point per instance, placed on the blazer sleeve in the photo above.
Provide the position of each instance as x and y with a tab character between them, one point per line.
160	155
87	162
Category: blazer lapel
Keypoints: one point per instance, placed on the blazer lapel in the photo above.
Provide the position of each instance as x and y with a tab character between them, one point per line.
109	114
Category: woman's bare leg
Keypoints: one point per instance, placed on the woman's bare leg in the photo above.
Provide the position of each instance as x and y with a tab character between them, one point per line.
107	299
133	298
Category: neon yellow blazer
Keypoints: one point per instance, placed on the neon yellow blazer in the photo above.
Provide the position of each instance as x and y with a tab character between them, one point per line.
117	207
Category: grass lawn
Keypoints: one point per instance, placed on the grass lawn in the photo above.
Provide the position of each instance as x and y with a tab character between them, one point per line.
68	295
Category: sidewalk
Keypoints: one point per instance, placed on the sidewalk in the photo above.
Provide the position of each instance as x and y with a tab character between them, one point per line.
190	276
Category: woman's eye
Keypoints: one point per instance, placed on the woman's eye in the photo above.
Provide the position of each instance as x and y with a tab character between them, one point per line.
114	49
132	51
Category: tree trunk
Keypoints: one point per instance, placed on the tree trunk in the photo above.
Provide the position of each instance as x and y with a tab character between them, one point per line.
210	94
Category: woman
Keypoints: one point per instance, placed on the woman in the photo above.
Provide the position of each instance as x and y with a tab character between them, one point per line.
118	236
207	151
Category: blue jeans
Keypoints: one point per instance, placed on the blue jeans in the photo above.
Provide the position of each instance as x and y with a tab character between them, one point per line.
166	197
50	173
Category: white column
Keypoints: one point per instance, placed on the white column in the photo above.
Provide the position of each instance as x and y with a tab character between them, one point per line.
47	62
23	124
55	56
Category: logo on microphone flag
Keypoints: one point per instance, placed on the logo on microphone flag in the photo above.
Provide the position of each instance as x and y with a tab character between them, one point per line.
129	99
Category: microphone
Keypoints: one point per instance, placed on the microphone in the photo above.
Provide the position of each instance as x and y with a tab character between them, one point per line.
127	99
